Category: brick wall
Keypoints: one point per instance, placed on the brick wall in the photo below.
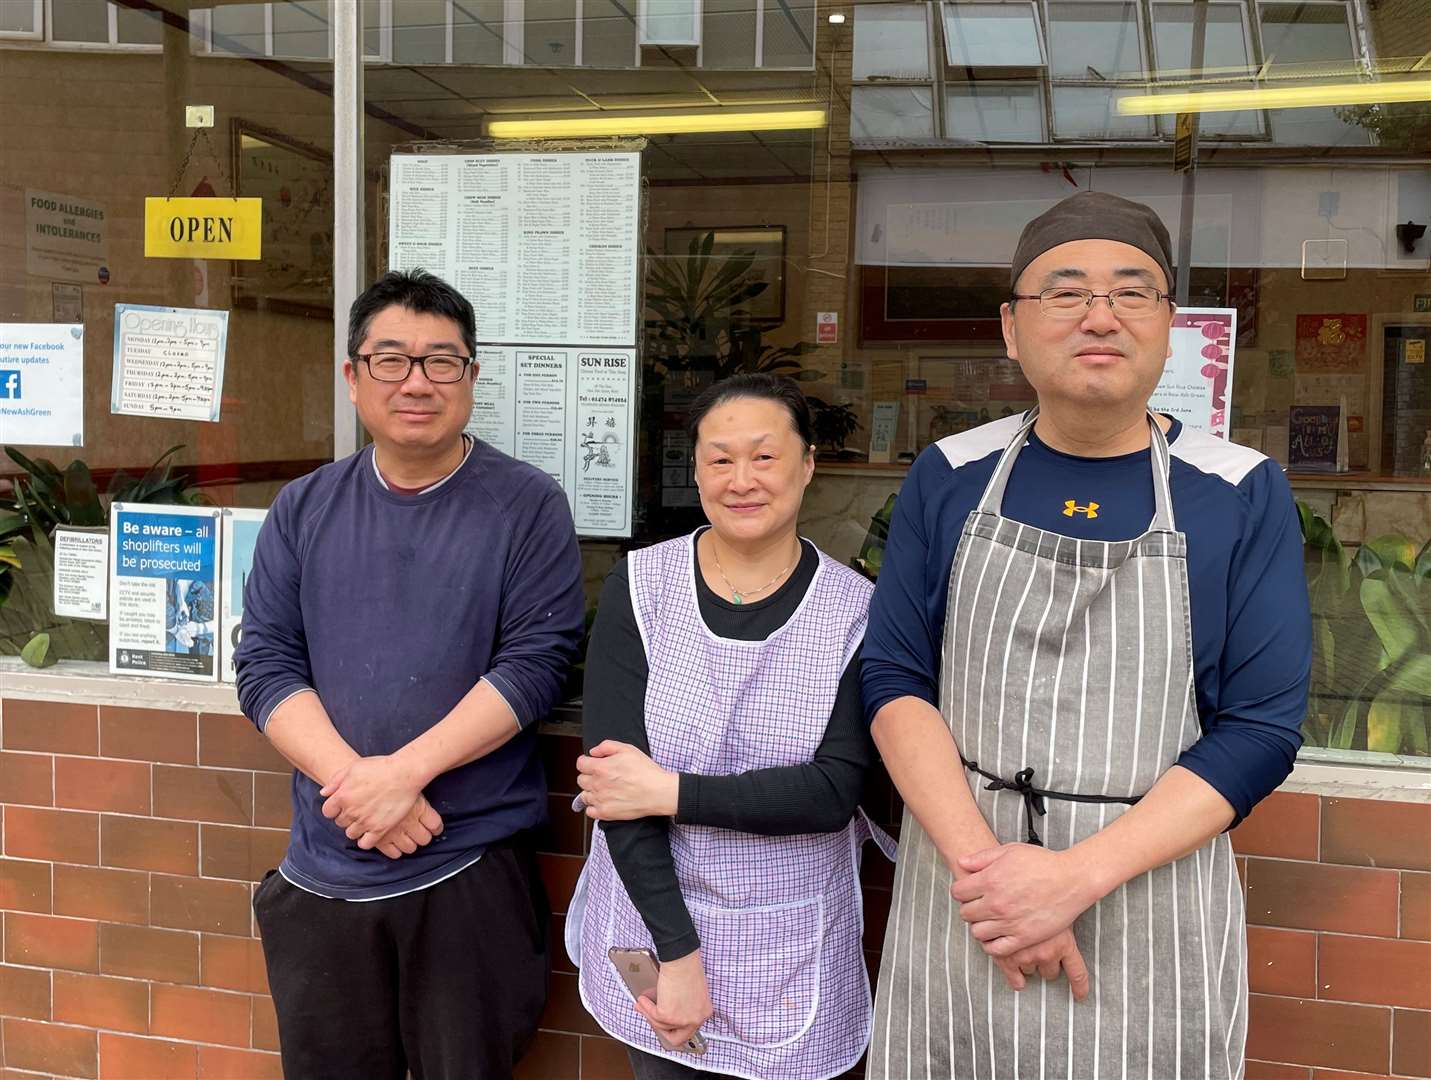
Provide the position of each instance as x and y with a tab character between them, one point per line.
132	839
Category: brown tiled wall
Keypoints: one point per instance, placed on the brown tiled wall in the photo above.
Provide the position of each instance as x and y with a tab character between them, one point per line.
132	839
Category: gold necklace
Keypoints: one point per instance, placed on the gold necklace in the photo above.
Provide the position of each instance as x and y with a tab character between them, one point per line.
736	595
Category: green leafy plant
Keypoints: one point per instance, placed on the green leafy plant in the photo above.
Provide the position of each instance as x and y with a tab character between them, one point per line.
833	424
42	499
1371	659
701	321
871	556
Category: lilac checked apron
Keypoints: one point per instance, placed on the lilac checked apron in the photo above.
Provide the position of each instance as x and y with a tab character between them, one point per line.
1067	681
779	917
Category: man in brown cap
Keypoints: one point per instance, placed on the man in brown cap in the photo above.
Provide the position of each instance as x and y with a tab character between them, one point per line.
1087	657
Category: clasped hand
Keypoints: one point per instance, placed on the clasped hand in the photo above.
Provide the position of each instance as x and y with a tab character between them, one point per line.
379	803
620	783
1020	902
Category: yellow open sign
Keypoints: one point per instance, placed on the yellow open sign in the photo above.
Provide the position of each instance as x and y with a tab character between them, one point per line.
203	228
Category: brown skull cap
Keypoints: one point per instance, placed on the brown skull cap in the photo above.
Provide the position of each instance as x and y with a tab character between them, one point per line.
1095	215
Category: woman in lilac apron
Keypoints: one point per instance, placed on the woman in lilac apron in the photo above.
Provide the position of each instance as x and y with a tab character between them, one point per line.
726	756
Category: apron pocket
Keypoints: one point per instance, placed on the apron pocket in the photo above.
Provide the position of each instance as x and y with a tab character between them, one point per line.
763	967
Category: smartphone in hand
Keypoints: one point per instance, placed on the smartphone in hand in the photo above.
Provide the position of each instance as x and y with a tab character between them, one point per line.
639	970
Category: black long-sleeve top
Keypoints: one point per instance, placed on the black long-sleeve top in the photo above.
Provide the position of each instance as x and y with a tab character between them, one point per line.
819	796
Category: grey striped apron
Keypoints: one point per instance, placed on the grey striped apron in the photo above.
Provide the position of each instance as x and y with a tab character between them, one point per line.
1069	662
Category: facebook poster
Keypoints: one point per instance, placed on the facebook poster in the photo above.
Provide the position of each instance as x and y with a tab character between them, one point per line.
163	607
42	384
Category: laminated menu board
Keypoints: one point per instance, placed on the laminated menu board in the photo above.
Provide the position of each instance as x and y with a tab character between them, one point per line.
545	247
1196	385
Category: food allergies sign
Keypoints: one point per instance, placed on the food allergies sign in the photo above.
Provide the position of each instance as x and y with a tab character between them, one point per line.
65	237
41	384
163	616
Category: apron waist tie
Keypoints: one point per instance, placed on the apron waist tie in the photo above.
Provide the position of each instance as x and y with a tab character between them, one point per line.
1033	797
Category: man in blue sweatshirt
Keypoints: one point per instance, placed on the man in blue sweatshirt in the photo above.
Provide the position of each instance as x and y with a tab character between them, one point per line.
411	614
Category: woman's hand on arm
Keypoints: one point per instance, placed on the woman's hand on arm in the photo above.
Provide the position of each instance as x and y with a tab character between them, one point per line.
619	782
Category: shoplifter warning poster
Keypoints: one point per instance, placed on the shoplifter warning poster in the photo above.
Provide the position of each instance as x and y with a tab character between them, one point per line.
163	616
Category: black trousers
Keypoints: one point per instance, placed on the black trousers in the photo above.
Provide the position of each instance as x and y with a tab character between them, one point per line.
447	982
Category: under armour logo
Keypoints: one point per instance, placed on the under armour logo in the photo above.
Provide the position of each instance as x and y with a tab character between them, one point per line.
1070	508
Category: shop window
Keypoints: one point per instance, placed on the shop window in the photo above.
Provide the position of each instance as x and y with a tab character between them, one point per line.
1305	32
22	19
993	35
87	22
727	34
301	29
994	112
1091	112
549	32
891	112
892	42
477	31
239	29
1097	40
1227	54
372	29
608	35
419	34
670	22
788	34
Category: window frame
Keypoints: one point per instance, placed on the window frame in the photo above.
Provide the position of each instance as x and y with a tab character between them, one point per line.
1035	7
112	44
643	15
934	82
1256	66
36	33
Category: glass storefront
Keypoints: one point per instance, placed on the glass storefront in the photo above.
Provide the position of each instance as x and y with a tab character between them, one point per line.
1287	146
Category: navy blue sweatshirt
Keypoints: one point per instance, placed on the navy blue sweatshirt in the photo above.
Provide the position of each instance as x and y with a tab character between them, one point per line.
392	607
1251	621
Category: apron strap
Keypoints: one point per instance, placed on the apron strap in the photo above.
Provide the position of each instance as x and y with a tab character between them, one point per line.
1033	797
993	498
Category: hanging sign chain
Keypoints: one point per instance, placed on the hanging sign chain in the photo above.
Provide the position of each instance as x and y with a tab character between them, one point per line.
200	133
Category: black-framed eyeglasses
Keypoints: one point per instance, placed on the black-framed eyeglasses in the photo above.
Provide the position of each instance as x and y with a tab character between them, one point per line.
1066	302
396	366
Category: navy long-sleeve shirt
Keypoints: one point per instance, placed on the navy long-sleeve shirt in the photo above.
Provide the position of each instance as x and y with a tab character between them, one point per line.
392	607
1251	621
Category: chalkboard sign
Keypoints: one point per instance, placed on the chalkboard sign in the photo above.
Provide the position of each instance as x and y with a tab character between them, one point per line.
1312	437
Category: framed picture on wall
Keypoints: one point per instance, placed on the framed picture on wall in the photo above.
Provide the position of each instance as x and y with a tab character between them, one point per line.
295	182
764	244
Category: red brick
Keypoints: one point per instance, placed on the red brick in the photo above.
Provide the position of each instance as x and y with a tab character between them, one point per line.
188	1012
1324	1033
219	1063
48	941
559	874
24	886
273	799
233	963
187	903
102	784
26	778
149	734
124	1057
1281	962
1284	825
169	847
240	852
52	727
1374	832
100	1002
265	1024
55	835
232	742
1269	1070
559	754
195	794
604	1059
90	892
552	1056
1338	1074
1312	896
1411	1043
24	992
1416	906
144	952
1374	971
50	1048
